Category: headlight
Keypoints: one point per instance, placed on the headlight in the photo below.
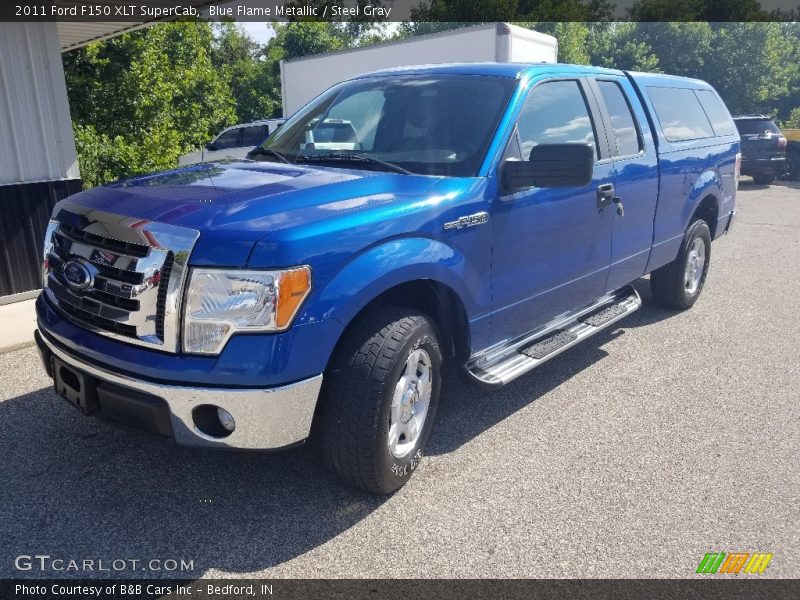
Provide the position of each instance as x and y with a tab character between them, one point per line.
221	302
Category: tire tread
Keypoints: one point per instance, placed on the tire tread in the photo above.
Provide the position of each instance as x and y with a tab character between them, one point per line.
666	283
351	403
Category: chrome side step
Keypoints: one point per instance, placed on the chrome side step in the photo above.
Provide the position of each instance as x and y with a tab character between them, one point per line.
505	362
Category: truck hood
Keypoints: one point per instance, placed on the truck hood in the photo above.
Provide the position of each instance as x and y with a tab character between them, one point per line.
235	203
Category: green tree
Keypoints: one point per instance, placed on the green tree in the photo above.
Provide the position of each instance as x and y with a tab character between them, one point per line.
681	48
752	66
301	38
572	39
250	75
793	120
697	10
476	11
140	100
615	46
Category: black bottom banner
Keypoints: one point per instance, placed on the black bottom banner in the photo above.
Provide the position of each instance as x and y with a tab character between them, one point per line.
403	589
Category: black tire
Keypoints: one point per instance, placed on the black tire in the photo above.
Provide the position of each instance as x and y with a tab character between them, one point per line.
356	403
763	179
668	284
793	165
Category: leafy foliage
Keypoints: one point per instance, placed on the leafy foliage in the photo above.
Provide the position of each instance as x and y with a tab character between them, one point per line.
793	120
140	100
243	64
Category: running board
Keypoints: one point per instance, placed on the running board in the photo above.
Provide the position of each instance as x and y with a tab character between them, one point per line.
505	362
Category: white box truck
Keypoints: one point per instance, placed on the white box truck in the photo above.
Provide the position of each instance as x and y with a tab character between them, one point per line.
304	78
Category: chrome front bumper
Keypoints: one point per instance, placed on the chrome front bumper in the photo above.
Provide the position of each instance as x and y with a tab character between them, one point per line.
265	418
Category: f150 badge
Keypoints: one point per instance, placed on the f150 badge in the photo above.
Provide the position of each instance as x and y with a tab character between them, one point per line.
468	221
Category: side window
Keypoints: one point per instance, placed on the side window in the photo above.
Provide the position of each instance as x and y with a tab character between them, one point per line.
228	139
622	120
680	114
720	118
555	113
252	136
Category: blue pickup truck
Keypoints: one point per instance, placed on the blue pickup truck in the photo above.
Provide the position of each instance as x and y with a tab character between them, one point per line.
489	214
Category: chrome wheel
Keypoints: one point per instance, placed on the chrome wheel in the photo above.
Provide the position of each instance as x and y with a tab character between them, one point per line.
412	397
695	265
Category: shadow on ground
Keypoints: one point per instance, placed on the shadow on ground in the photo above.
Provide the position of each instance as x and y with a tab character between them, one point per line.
78	488
466	411
749	184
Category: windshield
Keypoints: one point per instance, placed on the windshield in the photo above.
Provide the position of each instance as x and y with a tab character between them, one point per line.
432	125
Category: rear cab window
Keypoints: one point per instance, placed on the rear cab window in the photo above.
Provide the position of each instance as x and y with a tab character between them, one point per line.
721	120
680	114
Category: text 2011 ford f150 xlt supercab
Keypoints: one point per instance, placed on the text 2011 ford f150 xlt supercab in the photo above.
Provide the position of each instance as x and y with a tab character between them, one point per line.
489	214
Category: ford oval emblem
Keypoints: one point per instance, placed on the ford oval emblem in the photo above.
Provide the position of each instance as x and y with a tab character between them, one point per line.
79	275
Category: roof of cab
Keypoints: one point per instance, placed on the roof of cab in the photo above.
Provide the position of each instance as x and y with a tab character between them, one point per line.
517	70
662	80
512	70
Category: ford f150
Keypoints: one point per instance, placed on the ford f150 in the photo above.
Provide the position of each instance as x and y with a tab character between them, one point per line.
489	214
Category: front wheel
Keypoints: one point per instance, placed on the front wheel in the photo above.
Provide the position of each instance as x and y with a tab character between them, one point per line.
380	398
678	284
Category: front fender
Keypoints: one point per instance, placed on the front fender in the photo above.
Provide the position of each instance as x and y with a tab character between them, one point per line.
392	263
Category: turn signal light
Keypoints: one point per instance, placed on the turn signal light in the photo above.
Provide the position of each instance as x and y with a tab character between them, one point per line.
292	290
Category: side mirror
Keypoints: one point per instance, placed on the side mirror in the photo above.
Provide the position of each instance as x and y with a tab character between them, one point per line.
211	146
549	166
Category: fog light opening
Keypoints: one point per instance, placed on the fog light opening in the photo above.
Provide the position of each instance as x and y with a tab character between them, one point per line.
213	421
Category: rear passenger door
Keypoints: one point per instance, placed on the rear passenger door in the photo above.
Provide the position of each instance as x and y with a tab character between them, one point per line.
635	165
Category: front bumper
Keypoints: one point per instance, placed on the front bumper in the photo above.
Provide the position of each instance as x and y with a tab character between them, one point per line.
265	418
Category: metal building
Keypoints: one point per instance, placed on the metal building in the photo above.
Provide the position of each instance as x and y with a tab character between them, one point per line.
38	162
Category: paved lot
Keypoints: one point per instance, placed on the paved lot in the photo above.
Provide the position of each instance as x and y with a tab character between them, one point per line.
629	456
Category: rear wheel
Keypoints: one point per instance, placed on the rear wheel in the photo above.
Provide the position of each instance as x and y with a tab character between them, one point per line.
763	179
380	399
793	165
678	284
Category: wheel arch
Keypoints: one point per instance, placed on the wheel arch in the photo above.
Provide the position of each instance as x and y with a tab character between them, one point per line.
434	299
703	201
707	210
420	274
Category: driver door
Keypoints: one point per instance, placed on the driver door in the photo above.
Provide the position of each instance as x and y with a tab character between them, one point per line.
551	246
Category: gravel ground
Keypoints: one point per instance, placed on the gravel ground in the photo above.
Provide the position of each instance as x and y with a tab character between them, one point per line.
631	455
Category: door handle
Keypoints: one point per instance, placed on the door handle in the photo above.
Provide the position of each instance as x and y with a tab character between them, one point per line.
605	195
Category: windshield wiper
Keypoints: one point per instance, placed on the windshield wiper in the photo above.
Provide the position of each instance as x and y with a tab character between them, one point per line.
352	157
259	151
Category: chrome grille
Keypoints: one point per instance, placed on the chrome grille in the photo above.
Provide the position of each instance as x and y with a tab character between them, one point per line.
134	272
